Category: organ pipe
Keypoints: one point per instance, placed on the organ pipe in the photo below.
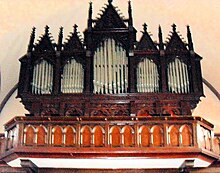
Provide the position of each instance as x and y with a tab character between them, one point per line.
72	78
42	81
147	76
110	68
178	77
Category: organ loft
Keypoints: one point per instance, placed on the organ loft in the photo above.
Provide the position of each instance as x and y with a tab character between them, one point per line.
111	96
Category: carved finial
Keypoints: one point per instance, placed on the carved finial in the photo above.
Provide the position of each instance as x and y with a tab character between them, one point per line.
129	6
110	1
60	38
130	13
189	36
160	30
90	15
61	32
174	27
32	37
160	35
33	31
145	27
90	9
46	29
75	28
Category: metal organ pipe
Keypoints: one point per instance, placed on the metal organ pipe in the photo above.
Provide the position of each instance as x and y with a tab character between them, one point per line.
187	78
118	68
112	75
181	77
144	76
184	77
42	80
178	77
72	78
147	76
34	81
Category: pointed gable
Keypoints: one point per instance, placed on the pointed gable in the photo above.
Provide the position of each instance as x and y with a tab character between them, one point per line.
73	42
146	43
110	19
45	43
175	42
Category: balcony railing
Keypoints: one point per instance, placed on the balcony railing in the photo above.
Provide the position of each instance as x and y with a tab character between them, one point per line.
108	134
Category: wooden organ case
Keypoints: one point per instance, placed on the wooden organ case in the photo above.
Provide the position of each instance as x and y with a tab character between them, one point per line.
110	73
110	96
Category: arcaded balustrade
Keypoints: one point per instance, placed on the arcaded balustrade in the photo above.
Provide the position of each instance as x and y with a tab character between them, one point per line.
111	132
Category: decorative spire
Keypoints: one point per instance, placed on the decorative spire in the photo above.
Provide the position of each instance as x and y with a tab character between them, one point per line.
75	28
130	21
189	36
46	30
110	1
160	35
31	42
145	27
174	27
90	15
60	38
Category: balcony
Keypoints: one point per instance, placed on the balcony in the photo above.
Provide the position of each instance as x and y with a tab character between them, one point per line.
110	142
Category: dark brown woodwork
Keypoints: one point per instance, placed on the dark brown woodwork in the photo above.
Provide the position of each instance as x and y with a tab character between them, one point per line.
29	166
139	124
110	25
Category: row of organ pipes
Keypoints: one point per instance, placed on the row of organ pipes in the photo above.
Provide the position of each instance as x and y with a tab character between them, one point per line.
110	74
110	68
73	77
147	76
178	77
42	82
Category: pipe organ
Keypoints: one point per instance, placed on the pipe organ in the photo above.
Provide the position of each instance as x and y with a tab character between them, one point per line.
42	82
72	79
178	77
110	73
110	68
147	76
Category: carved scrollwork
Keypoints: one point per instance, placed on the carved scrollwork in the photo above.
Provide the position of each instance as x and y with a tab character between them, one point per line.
100	112
170	110
49	111
74	112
